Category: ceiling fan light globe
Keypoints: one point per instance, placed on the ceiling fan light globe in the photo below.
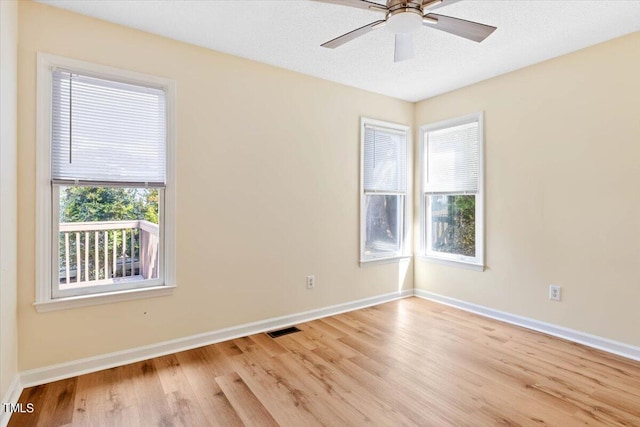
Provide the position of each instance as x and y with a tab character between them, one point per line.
404	22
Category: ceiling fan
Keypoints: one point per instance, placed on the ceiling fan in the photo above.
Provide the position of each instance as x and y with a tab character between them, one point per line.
404	17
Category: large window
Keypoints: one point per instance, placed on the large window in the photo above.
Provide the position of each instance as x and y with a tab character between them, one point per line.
452	196
383	203
105	212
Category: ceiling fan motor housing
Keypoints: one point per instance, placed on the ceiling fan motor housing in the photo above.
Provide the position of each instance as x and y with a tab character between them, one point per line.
392	4
403	16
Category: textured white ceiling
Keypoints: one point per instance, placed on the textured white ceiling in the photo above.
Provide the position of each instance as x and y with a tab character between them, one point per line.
288	34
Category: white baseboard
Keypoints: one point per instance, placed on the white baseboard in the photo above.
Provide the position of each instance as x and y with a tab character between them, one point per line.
12	396
610	346
92	364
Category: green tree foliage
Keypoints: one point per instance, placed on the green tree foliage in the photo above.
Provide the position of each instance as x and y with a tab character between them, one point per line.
83	204
463	212
152	202
459	235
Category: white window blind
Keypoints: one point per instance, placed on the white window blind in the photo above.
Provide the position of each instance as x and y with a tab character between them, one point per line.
452	159
385	160
106	131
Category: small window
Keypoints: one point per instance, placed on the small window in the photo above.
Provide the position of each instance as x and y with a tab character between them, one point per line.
452	197
104	164
383	204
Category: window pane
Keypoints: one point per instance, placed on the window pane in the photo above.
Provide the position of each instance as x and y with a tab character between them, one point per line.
104	130
384	223
385	160
453	224
107	235
452	159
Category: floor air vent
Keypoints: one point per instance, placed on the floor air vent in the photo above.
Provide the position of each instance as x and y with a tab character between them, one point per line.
281	332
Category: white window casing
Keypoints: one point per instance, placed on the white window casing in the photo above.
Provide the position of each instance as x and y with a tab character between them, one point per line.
111	108
385	171
452	164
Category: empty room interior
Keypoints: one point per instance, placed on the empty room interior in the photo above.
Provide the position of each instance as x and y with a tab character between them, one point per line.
330	212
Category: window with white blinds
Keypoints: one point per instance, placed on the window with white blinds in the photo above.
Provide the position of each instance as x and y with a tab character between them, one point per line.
452	224
384	185
106	131
105	171
385	160
452	159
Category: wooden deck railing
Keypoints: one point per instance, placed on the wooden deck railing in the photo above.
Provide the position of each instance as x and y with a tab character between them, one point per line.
108	251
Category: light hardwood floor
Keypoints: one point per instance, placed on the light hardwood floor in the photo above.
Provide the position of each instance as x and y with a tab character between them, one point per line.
408	362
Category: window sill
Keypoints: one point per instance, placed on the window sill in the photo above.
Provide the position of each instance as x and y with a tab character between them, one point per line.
364	262
452	263
105	298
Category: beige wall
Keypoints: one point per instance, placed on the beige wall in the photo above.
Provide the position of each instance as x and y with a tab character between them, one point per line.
267	191
8	189
562	158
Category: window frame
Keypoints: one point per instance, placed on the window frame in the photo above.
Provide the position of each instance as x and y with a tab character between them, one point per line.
474	263
406	226
46	199
58	293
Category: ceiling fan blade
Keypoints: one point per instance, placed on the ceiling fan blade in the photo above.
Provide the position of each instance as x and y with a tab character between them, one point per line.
436	4
339	41
467	29
404	47
360	4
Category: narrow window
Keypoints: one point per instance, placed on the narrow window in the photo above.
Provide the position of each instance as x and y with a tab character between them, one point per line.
384	190
452	197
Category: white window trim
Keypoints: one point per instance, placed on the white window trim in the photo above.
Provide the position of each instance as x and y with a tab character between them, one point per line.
405	251
478	262
44	213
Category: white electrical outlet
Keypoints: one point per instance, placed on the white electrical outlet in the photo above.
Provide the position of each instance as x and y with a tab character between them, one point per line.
555	292
311	282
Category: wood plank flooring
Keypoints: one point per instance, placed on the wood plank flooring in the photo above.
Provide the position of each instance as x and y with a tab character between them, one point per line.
408	362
